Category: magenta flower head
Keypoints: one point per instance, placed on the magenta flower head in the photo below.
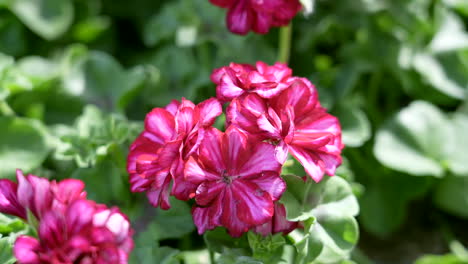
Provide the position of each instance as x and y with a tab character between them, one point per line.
258	15
295	122
237	79
84	232
171	135
38	195
238	181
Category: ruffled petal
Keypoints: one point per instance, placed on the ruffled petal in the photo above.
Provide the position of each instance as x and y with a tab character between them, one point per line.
160	123
240	17
208	111
312	163
196	174
26	250
9	203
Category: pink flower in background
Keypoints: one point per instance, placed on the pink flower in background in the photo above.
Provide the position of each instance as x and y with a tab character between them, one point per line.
277	224
238	181
237	79
37	195
258	15
295	122
156	157
84	232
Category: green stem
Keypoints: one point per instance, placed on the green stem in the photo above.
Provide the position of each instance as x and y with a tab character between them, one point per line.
285	43
212	257
5	109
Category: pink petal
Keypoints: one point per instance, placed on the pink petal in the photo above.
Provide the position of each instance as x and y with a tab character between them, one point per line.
139	184
80	214
196	174
312	163
9	203
234	148
230	215
26	250
52	229
68	190
160	123
172	107
254	205
208	191
210	151
299	95
281	152
185	120
160	196
222	3
271	183
208	111
262	158
239	17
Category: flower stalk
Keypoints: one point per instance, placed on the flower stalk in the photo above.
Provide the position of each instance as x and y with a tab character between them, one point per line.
284	50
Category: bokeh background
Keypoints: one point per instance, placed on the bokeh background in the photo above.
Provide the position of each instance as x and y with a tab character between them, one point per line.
78	76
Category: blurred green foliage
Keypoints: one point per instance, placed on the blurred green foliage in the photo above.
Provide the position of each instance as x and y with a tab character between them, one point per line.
78	76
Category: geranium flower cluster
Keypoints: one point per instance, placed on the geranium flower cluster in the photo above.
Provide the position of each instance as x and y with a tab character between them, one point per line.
258	15
234	176
71	229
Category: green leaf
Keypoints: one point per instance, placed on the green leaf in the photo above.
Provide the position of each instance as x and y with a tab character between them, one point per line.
415	141
47	18
439	75
10	225
442	259
458	157
328	208
173	223
354	124
304	200
385	202
95	134
107	82
236	256
451	195
218	240
267	249
6	251
105	175
451	35
23	145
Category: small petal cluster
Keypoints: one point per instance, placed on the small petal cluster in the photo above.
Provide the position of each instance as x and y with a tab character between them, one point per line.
234	176
258	15
171	135
71	229
286	113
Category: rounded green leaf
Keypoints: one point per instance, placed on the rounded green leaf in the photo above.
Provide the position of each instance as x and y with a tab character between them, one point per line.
415	141
354	124
23	145
47	18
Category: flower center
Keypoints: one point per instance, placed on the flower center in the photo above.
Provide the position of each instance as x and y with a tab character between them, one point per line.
226	178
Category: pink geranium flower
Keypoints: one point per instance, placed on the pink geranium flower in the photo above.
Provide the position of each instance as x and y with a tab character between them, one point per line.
257	15
37	195
84	233
295	122
156	157
238	181
277	224
238	79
